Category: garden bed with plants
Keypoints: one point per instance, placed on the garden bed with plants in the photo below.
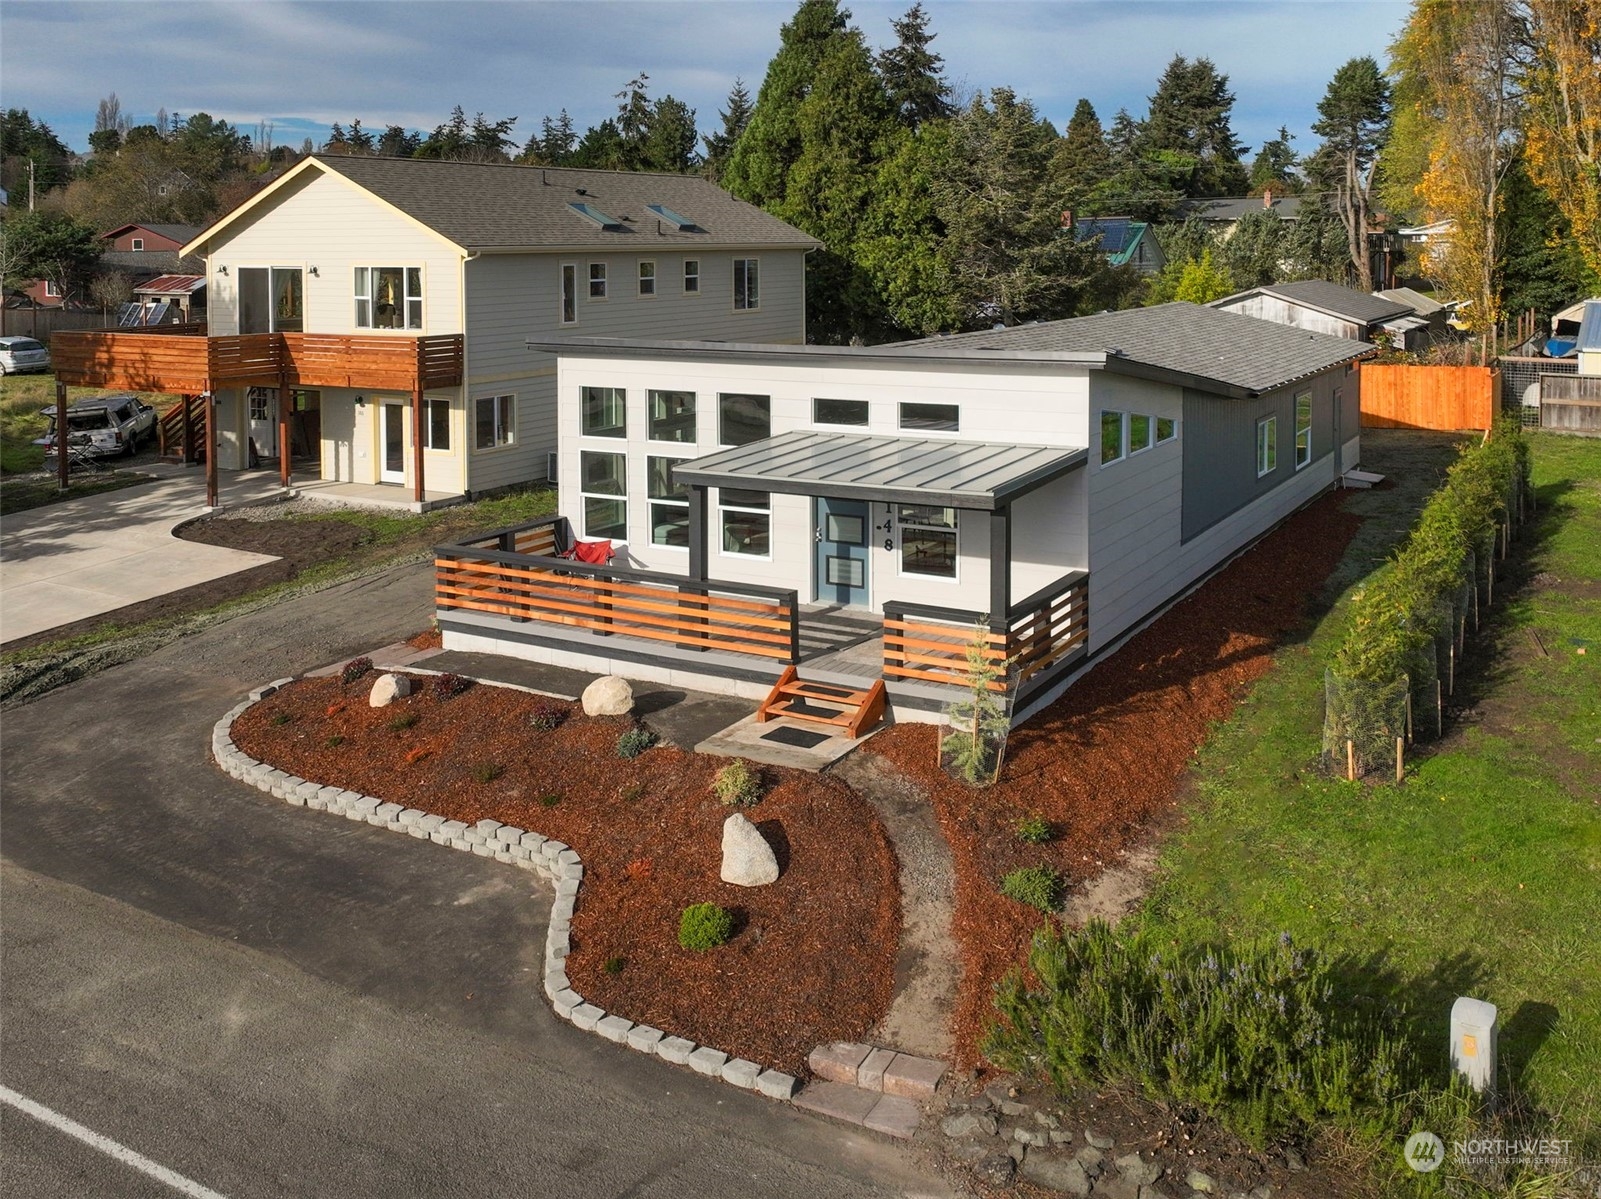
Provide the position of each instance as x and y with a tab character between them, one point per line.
1093	775
811	957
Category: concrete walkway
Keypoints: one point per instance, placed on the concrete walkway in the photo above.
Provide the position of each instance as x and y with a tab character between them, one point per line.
79	558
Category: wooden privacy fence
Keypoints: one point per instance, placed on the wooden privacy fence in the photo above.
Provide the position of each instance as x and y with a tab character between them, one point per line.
1571	403
1428	397
698	615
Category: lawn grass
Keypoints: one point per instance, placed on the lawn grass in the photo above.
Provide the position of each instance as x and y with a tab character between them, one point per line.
1480	874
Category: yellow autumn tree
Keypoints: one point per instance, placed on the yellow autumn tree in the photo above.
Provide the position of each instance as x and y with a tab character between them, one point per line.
1562	123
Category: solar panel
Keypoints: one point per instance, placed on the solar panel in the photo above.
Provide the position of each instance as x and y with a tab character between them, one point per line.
1114	233
131	316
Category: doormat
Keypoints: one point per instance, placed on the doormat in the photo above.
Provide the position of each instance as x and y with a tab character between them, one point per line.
799	738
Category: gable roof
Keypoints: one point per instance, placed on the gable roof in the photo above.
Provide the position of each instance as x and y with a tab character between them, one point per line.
1330	298
1120	235
181	234
1419	303
1230	351
501	207
1232	208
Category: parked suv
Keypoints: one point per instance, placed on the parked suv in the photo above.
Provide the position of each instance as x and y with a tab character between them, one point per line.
19	355
103	426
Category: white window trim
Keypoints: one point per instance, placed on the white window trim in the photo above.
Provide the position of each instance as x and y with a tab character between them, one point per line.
733	298
827	424
900	548
1173	436
680	445
901	426
1267	449
450	427
735	554
603	280
510	442
729	445
1122	442
625	498
1300	463
561	294
695	274
650	526
622	400
405	328
640	277
1150	445
52	289
136	243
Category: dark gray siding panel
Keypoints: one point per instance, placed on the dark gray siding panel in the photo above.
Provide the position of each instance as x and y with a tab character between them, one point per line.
1220	447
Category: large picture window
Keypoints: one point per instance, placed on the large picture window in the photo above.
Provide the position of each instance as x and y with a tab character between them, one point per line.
493	422
742	419
746	292
1267	446
746	518
1303	429
928	540
388	297
604	412
672	416
669	503
603	484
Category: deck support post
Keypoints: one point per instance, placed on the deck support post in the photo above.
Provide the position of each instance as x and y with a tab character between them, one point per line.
416	440
188	448
697	558
1000	568
211	446
62	465
285	403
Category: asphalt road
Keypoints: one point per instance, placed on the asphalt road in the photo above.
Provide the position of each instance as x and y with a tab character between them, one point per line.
273	1003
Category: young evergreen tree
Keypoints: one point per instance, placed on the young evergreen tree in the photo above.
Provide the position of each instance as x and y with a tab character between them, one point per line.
912	72
1189	116
735	117
1273	168
633	119
1353	121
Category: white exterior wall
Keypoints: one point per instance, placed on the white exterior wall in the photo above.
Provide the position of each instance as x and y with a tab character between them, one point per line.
1013	406
352	438
1282	312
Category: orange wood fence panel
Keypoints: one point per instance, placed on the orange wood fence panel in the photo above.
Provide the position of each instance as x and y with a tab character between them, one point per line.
1428	397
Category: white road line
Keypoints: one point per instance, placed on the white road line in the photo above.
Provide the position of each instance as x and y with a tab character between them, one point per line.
106	1145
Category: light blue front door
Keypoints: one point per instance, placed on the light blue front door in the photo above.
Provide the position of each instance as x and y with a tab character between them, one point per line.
842	530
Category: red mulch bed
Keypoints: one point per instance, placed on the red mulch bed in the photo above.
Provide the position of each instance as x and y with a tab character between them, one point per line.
427	639
813	955
1105	764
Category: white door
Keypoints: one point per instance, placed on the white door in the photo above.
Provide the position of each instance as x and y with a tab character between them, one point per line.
264	421
392	436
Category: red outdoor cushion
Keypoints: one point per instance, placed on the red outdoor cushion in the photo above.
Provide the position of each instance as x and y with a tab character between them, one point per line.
596	553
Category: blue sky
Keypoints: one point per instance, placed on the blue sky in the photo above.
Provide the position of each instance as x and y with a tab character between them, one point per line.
301	66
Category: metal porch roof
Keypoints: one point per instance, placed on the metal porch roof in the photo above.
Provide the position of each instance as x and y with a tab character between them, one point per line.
910	470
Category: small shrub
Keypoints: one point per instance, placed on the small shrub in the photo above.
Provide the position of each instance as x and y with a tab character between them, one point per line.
615	963
635	742
637	870
448	686
487	772
705	926
1038	886
282	718
354	669
334	742
399	724
546	717
549	801
631	792
417	755
738	785
1034	830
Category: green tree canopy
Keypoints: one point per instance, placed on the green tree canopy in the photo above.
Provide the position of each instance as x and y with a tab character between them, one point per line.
1273	168
912	72
1189	116
1353	121
735	117
43	244
24	140
1082	162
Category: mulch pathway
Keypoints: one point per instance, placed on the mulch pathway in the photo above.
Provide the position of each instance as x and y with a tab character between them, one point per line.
1106	763
813	955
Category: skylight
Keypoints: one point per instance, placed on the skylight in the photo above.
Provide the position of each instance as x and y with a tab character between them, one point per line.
590	213
668	216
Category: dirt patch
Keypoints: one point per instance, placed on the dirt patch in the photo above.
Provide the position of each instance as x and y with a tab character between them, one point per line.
813	955
1105	764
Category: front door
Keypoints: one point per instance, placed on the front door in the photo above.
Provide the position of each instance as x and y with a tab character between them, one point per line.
264	421
842	530
392	466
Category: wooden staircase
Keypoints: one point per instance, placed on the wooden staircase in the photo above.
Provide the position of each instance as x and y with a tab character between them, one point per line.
853	712
181	432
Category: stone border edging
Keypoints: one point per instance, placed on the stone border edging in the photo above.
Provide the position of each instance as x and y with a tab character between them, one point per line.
551	860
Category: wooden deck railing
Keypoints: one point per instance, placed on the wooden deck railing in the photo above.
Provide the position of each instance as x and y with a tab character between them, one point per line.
664	608
928	644
187	363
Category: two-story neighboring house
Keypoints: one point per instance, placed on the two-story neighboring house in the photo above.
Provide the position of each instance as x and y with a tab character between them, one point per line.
373	314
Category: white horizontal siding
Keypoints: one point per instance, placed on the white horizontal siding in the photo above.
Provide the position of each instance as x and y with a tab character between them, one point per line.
1282	312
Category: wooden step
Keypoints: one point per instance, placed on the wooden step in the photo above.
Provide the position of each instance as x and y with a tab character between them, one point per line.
847	708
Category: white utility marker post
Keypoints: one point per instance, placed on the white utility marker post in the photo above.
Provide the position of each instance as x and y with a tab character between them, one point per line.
1474	1036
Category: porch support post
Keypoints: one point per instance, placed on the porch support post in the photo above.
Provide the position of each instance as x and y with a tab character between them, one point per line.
61	436
416	441
211	446
1000	568
188	447
284	403
697	564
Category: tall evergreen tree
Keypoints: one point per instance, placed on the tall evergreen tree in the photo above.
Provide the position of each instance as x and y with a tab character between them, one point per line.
601	148
553	144
1082	161
1353	121
735	117
397	141
1143	186
1273	168
24	140
670	138
1189	116
911	72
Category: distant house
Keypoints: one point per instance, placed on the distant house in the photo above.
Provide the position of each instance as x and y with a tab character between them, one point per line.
1226	212
1427	323
1422	235
143	239
169	299
1322	307
1124	241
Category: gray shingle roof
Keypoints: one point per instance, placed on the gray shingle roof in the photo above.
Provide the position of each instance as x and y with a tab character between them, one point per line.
482	206
1208	344
917	470
1344	302
1232	208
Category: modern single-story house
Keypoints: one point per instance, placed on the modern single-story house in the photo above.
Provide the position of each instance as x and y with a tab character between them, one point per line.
855	513
1324	307
1124	241
384	306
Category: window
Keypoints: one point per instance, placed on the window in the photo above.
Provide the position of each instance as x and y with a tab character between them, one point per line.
928	540
258	403
597	281
136	243
672	416
692	276
944	418
603	484
647	278
1113	430
604	412
1139	432
742	419
1303	429
839	412
747	520
494	423
436	424
388	297
52	289
1267	446
271	300
669	504
746	294
569	293
1166	429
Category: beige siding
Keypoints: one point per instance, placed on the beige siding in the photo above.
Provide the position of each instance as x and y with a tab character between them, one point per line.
352	438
